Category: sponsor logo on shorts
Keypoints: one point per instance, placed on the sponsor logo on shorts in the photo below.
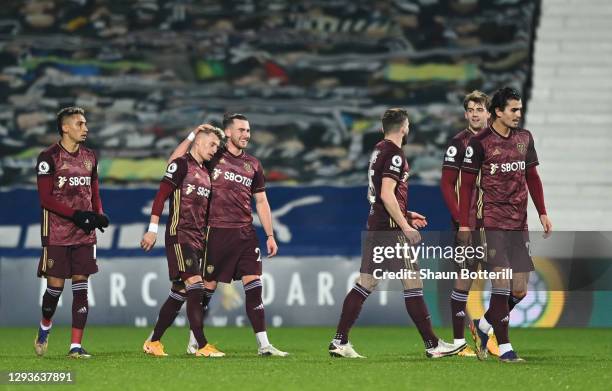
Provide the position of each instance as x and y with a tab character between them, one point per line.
50	263
492	252
210	269
188	262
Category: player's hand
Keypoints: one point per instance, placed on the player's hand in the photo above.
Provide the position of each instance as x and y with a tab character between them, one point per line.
102	221
148	241
464	236
84	219
202	127
547	225
412	235
417	220
272	246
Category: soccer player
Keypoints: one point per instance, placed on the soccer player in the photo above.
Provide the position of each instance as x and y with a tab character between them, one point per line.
71	211
504	159
187	183
476	113
387	194
232	250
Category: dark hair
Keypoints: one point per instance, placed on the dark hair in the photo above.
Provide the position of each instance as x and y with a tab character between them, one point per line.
478	97
229	118
67	112
393	119
501	97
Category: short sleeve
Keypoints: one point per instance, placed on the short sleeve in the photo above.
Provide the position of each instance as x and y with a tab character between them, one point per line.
259	180
45	165
392	166
453	157
474	156
176	172
531	158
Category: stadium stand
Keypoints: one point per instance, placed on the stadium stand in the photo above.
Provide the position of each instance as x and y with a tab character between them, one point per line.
314	77
569	113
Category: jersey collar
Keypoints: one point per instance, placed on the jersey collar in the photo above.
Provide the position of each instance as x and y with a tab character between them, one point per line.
74	154
496	133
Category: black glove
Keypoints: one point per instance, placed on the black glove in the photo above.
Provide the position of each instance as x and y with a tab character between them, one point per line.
102	221
85	220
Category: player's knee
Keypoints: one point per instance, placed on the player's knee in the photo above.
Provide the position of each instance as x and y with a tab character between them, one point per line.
192	280
210	285
368	282
56	282
463	284
178	287
248	279
519	294
411	283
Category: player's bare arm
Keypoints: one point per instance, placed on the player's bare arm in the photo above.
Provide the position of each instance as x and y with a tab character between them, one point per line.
150	237
416	220
265	216
387	194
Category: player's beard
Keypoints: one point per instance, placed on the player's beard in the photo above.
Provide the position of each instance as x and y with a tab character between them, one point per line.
404	139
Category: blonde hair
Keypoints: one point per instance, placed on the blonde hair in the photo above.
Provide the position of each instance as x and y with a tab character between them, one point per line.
216	131
477	97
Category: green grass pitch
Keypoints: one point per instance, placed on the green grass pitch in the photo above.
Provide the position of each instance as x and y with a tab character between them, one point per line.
578	359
